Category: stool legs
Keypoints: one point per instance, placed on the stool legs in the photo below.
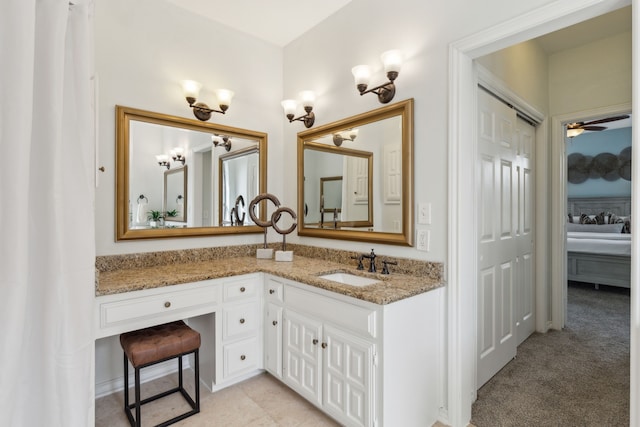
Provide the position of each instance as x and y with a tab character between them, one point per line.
195	405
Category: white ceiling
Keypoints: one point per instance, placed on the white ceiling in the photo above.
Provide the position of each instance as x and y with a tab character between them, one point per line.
276	21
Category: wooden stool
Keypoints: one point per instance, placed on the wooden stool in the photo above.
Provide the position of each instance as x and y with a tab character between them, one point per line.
146	347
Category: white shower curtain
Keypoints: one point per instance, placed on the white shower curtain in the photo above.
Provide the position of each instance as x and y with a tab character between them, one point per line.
47	243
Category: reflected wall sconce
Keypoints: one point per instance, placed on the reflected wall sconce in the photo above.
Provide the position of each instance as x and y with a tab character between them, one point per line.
221	141
177	155
163	160
201	110
290	105
392	60
348	135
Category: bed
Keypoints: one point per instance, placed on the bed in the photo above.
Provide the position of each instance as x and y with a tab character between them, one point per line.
599	254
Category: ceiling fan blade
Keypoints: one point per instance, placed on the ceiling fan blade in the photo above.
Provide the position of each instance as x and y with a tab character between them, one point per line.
608	119
593	127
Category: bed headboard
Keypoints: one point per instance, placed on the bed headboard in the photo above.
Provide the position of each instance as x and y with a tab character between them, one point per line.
620	206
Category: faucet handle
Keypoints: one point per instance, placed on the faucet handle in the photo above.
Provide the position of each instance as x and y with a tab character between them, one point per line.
385	265
359	258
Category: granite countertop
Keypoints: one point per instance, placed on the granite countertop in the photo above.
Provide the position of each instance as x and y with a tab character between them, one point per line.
392	287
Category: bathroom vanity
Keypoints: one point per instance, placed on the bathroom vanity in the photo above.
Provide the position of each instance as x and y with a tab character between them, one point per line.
365	355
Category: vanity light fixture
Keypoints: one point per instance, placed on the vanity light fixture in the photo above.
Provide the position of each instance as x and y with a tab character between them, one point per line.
163	160
177	155
392	60
290	105
348	135
201	110
221	141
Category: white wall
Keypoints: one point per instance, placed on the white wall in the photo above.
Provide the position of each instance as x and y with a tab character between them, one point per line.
322	58
144	48
524	69
591	76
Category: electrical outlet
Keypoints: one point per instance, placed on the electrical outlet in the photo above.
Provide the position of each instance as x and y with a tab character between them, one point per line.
422	240
424	213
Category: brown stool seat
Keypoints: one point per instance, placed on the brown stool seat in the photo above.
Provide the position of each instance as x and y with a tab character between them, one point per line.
157	343
153	345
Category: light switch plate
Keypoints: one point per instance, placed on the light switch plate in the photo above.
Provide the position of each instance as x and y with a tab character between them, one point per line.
424	213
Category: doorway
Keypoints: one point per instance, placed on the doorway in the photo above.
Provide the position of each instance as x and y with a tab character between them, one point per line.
462	266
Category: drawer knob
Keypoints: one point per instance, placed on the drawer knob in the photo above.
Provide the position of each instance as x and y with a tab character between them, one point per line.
324	345
275	322
241	320
243	357
167	304
271	291
315	341
242	289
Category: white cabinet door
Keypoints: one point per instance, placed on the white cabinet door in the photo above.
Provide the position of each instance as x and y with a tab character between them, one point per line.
273	339
348	375
302	355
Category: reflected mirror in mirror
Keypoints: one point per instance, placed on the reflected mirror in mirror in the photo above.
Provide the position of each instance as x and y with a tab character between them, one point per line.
239	182
173	163
366	164
175	196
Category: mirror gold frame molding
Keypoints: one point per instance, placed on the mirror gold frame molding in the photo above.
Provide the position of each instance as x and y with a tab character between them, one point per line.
404	109
124	115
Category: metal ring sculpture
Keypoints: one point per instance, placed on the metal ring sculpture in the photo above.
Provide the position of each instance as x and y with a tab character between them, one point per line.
275	217
258	221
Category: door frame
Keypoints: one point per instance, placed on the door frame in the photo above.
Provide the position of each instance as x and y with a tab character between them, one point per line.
558	209
461	269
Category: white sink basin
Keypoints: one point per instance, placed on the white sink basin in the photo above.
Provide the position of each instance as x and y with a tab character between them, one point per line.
349	279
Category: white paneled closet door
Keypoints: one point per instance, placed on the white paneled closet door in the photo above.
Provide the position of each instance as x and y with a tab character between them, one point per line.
505	246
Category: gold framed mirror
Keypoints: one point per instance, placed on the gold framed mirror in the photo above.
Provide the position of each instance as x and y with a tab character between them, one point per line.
149	146
373	154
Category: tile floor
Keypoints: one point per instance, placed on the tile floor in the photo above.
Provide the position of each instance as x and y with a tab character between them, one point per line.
258	401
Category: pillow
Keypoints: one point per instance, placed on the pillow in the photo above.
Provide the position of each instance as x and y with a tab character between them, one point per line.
586	219
596	228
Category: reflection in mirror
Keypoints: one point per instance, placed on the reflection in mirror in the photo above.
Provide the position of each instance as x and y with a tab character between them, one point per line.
371	157
343	200
175	196
144	135
239	183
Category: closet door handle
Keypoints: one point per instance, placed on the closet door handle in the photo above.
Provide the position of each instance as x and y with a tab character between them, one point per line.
242	289
271	291
275	322
167	304
241	321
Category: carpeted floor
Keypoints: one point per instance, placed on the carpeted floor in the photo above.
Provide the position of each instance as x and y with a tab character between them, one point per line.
575	377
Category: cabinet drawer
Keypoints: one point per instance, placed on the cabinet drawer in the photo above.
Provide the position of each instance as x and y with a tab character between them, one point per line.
240	289
240	320
241	357
274	291
353	317
154	306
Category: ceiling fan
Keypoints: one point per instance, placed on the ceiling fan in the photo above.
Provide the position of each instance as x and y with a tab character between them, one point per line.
576	128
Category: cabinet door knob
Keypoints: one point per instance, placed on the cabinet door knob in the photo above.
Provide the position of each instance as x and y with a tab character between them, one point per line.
243	357
167	304
241	320
324	345
271	291
242	289
275	322
315	341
